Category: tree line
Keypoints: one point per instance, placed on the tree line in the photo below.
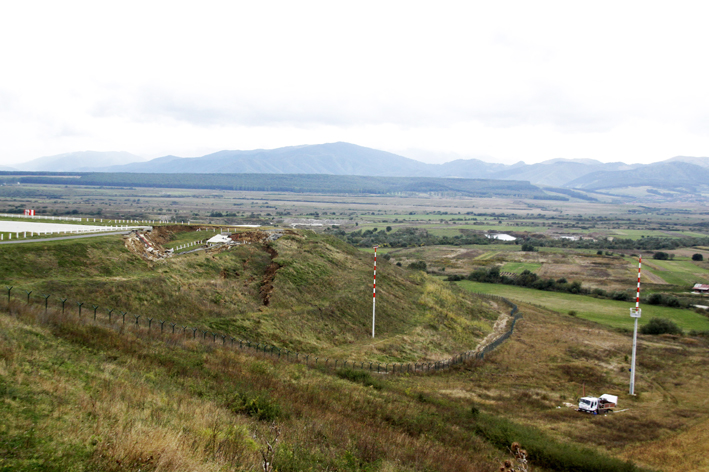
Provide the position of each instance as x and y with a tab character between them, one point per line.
529	279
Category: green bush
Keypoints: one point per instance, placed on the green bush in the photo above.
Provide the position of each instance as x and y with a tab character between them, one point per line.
359	376
545	452
664	300
259	407
661	256
420	265
661	326
697	257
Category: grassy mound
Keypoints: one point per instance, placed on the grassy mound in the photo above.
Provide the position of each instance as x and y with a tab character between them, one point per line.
304	292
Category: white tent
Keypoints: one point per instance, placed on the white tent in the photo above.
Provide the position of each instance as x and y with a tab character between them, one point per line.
219	239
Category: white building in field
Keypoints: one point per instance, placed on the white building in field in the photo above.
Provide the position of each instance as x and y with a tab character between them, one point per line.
501	237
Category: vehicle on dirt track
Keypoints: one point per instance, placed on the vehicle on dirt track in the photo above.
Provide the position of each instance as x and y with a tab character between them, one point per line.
598	405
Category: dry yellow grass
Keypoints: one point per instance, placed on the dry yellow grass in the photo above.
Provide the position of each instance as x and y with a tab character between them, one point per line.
685	451
117	400
130	422
550	358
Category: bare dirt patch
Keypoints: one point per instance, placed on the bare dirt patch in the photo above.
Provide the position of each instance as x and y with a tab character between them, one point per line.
499	329
146	245
269	275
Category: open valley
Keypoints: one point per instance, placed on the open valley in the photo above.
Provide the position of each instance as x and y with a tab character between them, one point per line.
155	349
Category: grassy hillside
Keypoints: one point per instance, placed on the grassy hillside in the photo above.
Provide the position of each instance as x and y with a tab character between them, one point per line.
82	396
304	292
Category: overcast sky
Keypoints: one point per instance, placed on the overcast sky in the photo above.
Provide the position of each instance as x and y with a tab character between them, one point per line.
503	81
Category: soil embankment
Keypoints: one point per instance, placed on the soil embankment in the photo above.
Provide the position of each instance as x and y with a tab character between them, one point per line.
269	275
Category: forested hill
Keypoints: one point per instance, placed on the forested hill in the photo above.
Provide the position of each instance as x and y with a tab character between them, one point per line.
330	158
668	175
330	184
686	174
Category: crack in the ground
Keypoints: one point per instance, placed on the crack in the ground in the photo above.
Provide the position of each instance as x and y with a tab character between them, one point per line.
269	275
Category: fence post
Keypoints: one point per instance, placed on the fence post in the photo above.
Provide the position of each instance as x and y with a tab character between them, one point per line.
161	325
79	304
110	312
137	317
28	296
95	308
173	327
46	302
194	333
9	289
124	313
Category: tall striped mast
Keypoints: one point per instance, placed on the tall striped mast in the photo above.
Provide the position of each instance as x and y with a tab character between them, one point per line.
374	291
635	314
637	297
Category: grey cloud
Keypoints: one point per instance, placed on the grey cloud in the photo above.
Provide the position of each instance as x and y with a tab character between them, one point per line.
543	106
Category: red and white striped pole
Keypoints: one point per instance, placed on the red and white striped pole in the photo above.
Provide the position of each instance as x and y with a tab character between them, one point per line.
635	314
637	298
374	292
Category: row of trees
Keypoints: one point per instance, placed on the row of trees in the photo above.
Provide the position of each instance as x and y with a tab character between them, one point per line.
642	244
408	237
405	237
525	279
532	280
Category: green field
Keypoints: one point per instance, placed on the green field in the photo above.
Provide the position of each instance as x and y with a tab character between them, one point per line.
639	233
609	312
188	237
519	267
678	272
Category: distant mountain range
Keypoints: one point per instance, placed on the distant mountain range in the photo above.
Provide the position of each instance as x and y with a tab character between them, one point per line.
82	161
688	173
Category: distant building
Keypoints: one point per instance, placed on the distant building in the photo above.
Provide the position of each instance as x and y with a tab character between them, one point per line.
501	237
700	288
